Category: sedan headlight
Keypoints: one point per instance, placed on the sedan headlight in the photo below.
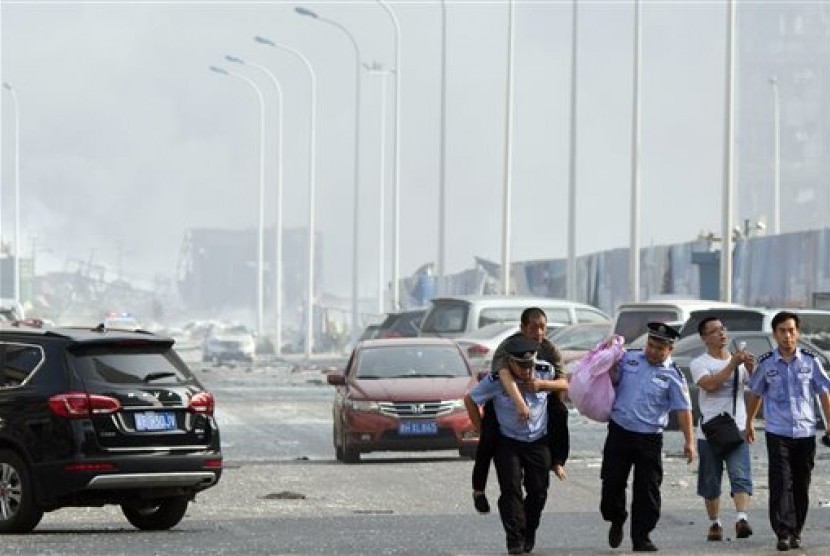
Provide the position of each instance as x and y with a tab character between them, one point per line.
457	405
363	405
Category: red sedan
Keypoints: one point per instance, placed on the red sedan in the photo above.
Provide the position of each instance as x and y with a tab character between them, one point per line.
403	394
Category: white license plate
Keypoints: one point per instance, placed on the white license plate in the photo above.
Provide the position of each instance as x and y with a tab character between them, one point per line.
155	421
417	428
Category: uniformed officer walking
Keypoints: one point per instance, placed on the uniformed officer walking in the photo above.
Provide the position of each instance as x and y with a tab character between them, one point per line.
522	455
648	385
788	379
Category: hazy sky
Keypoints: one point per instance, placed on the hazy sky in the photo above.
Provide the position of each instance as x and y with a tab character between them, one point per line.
128	140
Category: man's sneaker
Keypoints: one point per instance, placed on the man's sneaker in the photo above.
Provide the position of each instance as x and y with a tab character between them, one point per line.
615	534
783	544
481	503
742	529
715	533
825	439
795	542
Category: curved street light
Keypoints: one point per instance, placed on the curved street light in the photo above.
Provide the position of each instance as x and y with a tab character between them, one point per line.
356	193
309	336
278	266
378	70
260	248
16	191
396	188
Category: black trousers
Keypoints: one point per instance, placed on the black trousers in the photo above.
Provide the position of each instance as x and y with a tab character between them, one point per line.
522	463
558	438
791	462
624	449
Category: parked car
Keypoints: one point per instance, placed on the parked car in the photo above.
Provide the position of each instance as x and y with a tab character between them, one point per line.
757	343
225	344
575	340
454	317
95	417
402	394
403	324
630	319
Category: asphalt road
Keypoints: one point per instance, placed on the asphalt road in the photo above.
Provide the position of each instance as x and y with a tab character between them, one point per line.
282	492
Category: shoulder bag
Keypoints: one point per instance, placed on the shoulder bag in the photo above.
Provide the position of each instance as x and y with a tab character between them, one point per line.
721	431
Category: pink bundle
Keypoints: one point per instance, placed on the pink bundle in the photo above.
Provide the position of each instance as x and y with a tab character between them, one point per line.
590	387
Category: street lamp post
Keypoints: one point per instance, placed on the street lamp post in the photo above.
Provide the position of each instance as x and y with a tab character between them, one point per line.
508	152
442	166
571	267
278	263
396	189
16	191
634	240
261	233
728	157
377	69
776	191
312	184
356	186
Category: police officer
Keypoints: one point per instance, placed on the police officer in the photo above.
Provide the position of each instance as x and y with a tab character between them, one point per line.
522	455
533	325
788	378
648	385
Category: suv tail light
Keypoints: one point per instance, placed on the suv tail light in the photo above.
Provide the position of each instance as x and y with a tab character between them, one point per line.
477	350
202	403
82	405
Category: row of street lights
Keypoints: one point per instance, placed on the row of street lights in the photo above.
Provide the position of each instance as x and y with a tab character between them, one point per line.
312	186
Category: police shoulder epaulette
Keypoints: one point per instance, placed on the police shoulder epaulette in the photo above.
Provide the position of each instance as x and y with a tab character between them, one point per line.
764	357
630	350
811	353
677	369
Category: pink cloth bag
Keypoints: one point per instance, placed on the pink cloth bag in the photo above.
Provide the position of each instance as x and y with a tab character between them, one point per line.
590	387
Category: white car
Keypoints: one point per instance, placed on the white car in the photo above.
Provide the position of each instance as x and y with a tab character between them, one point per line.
224	344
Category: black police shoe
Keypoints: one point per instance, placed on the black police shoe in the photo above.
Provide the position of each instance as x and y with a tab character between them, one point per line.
783	544
644	546
481	503
615	534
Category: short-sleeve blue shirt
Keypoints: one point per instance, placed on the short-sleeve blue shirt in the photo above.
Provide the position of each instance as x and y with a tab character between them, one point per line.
645	393
788	389
490	388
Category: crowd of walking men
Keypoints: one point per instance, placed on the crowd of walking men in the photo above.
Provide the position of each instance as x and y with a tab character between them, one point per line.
519	411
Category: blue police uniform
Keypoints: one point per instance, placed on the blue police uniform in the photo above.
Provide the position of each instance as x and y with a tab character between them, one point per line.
521	457
788	389
645	394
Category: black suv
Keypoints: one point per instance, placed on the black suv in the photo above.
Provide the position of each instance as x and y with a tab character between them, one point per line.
94	417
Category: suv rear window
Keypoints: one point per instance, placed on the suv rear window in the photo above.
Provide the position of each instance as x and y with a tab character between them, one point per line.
130	365
447	318
632	324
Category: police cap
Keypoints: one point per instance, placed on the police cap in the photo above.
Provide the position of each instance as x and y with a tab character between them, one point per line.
522	349
663	332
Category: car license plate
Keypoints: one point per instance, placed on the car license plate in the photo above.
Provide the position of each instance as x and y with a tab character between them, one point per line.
155	421
413	428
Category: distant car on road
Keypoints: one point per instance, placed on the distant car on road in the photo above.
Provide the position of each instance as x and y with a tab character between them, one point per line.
403	394
226	344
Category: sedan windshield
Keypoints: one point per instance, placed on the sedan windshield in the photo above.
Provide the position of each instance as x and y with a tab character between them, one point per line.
410	362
